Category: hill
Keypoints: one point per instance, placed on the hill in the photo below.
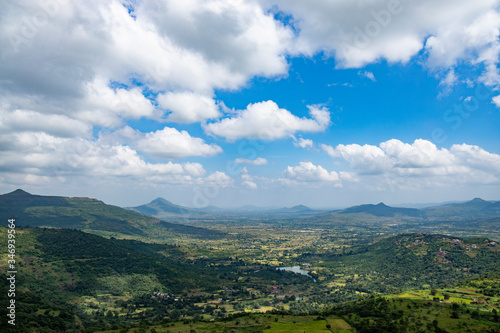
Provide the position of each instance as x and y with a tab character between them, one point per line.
74	281
162	208
413	261
90	215
64	273
474	209
381	210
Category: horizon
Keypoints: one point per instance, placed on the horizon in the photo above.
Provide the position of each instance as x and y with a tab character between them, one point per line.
263	103
408	205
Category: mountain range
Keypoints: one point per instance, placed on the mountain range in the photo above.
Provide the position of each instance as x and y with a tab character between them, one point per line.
149	220
476	208
90	215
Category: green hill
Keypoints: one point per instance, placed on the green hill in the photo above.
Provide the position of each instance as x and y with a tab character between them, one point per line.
91	215
69	272
73	281
413	261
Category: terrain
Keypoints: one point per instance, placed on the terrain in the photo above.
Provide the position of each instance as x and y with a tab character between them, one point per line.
91	215
83	265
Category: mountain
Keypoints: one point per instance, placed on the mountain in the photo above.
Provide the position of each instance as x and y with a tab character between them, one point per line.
474	209
470	210
162	208
381	210
298	210
90	215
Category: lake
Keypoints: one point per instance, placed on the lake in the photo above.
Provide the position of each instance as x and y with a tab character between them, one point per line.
297	270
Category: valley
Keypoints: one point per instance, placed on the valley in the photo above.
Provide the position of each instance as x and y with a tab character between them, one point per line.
371	268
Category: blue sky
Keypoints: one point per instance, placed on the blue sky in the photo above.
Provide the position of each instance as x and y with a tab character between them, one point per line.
268	103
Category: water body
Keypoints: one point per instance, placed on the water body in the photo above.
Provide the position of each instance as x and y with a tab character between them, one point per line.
297	270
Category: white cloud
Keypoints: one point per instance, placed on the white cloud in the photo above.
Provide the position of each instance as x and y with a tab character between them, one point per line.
308	172
368	75
257	161
303	143
185	50
83	59
422	159
167	143
188	107
220	179
358	32
267	121
249	184
367	159
496	100
120	103
54	124
38	155
171	143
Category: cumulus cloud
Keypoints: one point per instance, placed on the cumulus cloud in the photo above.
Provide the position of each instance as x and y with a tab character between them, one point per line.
172	143
303	143
54	124
267	121
84	60
219	178
188	107
308	172
257	161
73	69
358	32
184	51
422	159
120	102
41	156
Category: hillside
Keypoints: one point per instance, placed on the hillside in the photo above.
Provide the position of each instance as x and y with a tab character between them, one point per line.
73	281
90	215
411	261
66	271
474	209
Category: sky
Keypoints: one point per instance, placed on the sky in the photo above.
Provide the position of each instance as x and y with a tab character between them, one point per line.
326	103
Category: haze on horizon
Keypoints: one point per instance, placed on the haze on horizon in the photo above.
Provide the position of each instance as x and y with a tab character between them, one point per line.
268	103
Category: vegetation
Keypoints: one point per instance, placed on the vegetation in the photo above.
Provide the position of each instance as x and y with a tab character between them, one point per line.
354	276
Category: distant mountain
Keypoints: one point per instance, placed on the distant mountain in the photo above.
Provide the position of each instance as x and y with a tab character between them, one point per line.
161	208
89	215
381	210
469	210
296	210
425	204
476	208
164	209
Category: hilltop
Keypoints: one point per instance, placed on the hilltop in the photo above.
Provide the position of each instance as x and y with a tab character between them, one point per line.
90	215
162	208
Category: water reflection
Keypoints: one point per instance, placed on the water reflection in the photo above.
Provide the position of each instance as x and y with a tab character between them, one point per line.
297	270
